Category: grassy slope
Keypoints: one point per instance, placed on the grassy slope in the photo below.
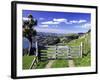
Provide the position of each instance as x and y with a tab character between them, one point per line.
60	64
41	64
86	59
27	60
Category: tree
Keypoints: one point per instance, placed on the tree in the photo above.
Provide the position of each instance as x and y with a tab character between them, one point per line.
28	30
89	30
73	36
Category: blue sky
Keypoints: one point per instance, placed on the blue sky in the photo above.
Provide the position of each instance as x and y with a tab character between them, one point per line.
60	22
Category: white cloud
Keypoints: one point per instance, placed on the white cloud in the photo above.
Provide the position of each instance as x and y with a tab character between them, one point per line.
73	21
60	20
77	21
82	21
86	26
25	18
50	22
69	22
55	21
44	26
63	20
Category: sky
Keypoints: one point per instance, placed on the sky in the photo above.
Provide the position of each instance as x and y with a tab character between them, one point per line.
60	22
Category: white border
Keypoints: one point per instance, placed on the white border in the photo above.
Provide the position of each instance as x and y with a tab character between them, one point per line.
34	72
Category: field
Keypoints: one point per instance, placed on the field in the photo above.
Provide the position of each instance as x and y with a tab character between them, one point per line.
27	60
86	59
61	63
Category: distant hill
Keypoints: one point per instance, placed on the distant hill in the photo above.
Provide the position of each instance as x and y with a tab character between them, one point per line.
81	34
48	34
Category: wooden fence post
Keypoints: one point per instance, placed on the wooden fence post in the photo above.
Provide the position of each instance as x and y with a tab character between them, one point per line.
56	52
67	52
36	50
81	49
29	49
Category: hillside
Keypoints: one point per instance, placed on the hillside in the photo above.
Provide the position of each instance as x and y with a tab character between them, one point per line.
78	62
86	59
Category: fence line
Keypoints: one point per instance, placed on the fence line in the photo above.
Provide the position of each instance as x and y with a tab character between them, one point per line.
59	52
64	52
34	63
35	60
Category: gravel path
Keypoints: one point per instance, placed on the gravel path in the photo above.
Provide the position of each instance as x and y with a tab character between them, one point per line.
50	64
71	63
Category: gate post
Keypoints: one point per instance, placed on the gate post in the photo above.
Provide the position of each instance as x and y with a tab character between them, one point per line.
81	49
56	52
68	53
36	50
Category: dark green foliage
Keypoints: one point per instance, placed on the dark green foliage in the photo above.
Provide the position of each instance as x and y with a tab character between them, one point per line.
73	36
28	30
28	33
68	37
89	31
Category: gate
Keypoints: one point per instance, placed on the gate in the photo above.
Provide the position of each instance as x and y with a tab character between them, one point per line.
62	52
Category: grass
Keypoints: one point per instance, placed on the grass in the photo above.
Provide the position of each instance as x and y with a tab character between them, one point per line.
81	62
56	64
41	64
86	59
76	42
27	60
60	64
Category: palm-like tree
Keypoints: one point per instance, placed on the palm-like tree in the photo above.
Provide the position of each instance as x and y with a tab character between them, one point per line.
28	29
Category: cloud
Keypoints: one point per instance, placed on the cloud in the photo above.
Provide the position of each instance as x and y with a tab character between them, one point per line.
86	26
50	22
69	22
73	21
63	20
55	21
78	21
82	21
44	26
25	18
60	20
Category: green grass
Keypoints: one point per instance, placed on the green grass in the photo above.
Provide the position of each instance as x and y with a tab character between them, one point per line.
76	42
60	64
81	62
41	64
27	60
56	64
86	59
